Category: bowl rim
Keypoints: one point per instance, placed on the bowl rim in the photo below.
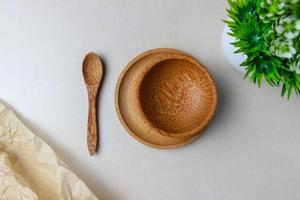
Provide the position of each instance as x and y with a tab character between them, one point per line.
147	69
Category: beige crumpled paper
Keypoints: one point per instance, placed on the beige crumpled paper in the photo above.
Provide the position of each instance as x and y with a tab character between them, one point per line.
30	169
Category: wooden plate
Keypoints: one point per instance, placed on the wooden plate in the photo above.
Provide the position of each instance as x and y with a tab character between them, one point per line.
126	103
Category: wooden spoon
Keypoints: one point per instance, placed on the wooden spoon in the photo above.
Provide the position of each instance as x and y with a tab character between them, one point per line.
92	72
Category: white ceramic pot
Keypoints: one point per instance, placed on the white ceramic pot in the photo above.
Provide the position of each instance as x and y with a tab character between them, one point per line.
234	59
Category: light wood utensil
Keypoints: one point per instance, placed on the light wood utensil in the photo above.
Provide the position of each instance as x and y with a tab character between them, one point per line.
92	72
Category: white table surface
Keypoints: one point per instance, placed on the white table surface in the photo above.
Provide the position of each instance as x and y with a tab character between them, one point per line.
250	151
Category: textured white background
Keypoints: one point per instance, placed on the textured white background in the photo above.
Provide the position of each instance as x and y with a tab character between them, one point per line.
250	151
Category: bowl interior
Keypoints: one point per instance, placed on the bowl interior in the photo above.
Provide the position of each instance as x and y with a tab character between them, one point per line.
176	95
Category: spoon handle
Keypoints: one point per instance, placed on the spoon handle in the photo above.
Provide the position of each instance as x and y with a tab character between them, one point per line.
92	136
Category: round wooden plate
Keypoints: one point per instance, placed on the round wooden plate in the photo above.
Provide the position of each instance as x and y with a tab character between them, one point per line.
125	104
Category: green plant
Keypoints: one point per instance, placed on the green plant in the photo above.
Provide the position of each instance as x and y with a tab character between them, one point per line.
268	33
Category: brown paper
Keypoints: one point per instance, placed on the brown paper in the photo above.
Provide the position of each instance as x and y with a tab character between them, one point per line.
30	169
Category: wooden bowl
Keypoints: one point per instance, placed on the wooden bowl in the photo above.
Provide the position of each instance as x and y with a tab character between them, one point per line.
176	95
136	98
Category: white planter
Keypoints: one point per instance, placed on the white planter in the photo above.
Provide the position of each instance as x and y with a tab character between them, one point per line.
234	59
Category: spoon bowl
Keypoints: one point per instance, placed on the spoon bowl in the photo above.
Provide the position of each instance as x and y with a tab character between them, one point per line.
92	69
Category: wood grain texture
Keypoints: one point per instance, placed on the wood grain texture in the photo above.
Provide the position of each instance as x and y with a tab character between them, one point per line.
92	72
176	95
128	95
